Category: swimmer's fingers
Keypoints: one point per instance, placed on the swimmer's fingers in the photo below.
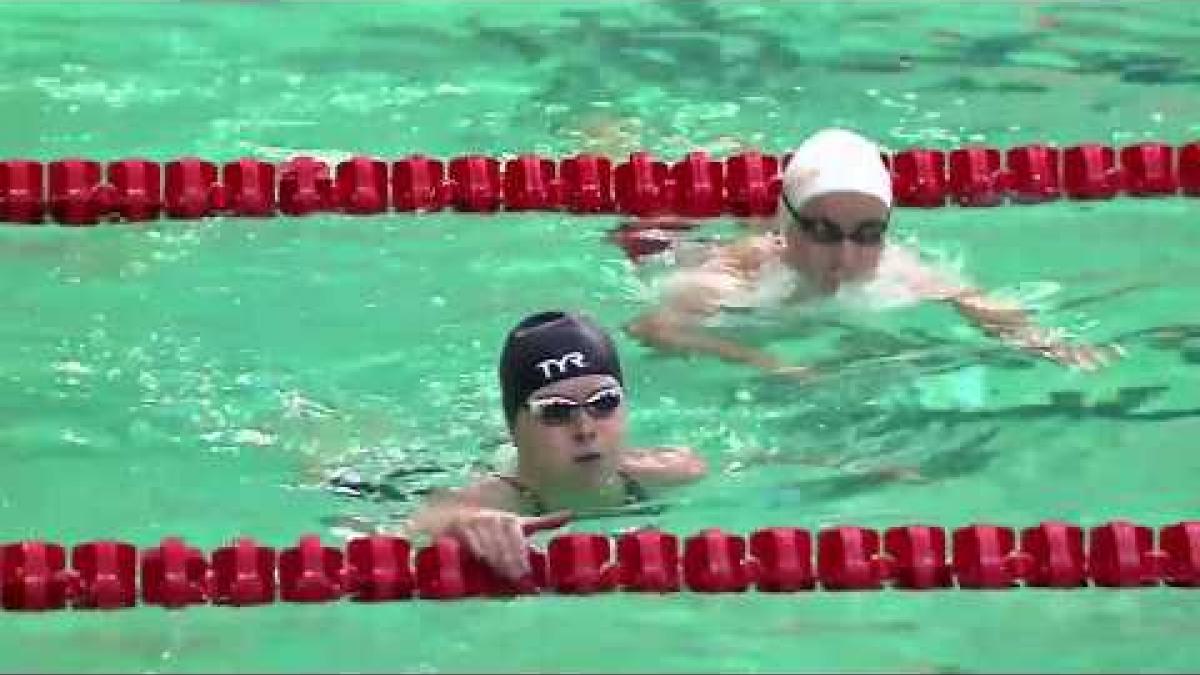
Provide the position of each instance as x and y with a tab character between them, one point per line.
1064	355
1102	356
795	373
473	536
549	521
802	372
1088	358
503	543
513	551
497	540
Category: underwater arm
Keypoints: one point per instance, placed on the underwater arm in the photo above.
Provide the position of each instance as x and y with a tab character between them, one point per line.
692	296
1002	319
1014	325
662	330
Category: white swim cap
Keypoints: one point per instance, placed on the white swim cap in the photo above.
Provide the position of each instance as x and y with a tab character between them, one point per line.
835	160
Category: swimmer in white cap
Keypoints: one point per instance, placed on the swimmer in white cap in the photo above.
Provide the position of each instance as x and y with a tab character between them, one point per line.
829	244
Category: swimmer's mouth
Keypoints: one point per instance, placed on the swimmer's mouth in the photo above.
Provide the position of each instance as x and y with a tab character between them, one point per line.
587	457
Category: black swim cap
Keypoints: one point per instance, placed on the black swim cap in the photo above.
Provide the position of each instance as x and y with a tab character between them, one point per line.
548	347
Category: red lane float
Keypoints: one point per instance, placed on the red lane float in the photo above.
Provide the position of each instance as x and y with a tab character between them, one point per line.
137	189
84	192
305	186
104	574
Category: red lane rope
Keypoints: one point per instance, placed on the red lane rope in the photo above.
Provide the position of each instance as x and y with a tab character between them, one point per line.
34	575
86	192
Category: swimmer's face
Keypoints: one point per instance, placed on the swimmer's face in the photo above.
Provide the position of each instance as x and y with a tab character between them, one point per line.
836	238
572	431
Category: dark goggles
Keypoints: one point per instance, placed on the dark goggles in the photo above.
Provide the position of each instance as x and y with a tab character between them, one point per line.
825	231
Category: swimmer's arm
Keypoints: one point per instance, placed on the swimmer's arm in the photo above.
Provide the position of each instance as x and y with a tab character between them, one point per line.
664	467
695	295
444	510
1014	325
996	317
667	330
1004	320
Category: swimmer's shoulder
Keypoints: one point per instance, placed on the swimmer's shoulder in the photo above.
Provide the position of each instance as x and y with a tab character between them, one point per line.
488	492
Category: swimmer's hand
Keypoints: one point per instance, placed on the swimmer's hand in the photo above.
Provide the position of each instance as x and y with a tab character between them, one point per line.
498	538
801	373
775	367
1012	324
664	466
1046	344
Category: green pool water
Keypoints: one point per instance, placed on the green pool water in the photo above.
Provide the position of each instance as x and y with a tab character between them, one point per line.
203	378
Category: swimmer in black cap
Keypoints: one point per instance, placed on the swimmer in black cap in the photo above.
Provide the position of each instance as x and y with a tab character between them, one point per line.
565	406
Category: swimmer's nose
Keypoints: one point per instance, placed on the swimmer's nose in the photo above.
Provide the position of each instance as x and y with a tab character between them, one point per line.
847	252
583	427
848	248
